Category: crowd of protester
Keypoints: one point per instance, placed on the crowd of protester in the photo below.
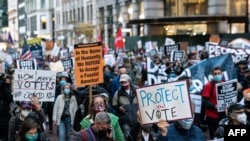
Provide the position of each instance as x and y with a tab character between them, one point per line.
113	114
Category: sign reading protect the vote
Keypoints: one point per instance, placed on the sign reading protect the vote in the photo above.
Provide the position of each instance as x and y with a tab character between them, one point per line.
40	83
88	64
168	101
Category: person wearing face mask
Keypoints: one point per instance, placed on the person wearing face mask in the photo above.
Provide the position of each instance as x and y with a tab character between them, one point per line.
100	130
64	112
28	110
98	104
126	106
147	132
209	100
180	130
30	131
115	85
235	116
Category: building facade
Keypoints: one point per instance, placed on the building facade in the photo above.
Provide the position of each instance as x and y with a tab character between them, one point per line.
3	14
75	21
40	18
13	19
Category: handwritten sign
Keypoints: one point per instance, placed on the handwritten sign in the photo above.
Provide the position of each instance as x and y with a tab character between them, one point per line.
41	83
27	64
88	64
226	94
168	101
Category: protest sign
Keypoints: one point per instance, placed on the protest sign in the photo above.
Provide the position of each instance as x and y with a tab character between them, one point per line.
152	53
177	55
55	50
238	54
148	46
168	101
57	66
226	94
27	64
67	63
88	64
156	74
201	72
169	48
40	83
109	59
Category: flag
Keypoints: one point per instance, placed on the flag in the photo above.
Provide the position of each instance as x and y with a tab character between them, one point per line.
118	39
99	38
10	40
26	54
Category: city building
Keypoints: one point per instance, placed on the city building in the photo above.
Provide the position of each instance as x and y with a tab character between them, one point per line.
38	18
21	19
13	20
3	14
75	21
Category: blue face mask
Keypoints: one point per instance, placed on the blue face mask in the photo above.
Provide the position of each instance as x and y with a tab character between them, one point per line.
66	91
31	138
191	88
62	82
217	78
186	123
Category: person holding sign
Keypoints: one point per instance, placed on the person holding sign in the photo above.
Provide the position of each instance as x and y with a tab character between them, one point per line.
235	116
126	106
209	99
64	112
180	130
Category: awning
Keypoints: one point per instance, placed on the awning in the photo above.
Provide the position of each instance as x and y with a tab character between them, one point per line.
191	19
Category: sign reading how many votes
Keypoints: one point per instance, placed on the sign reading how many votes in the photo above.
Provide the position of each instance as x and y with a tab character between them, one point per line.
168	101
40	83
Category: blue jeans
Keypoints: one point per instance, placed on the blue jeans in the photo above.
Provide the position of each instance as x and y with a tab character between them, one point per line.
64	129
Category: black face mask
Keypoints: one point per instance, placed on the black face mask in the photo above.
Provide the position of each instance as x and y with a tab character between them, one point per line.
102	133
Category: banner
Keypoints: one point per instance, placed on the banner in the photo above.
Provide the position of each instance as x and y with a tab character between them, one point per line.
156	73
168	101
238	54
27	64
201	72
169	48
226	94
40	83
67	63
88	64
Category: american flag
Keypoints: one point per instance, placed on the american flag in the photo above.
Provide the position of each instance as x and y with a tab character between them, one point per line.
26	54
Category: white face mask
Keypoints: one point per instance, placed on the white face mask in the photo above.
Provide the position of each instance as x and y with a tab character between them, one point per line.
242	118
25	113
186	123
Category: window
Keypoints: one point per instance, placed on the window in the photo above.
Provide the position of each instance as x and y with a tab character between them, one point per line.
57	19
82	13
70	16
57	3
237	8
67	19
43	4
43	22
79	14
74	15
91	11
88	12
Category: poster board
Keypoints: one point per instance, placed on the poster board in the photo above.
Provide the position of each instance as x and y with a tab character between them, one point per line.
177	55
170	101
169	48
226	93
41	83
67	63
88	64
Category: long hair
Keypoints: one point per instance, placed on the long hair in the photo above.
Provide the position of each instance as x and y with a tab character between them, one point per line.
91	111
27	125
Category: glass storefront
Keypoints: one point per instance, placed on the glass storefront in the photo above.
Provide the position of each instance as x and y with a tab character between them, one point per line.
187	29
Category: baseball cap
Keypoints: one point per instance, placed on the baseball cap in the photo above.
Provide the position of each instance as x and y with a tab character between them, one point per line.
124	77
104	94
26	105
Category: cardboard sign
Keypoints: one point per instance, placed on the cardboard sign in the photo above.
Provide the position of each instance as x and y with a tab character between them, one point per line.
226	94
169	48
88	64
27	64
67	63
41	83
177	55
168	101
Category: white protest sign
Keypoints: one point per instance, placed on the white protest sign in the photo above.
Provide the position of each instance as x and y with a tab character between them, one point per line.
41	83
197	100
226	94
109	59
55	50
139	44
57	66
169	41
148	46
168	101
